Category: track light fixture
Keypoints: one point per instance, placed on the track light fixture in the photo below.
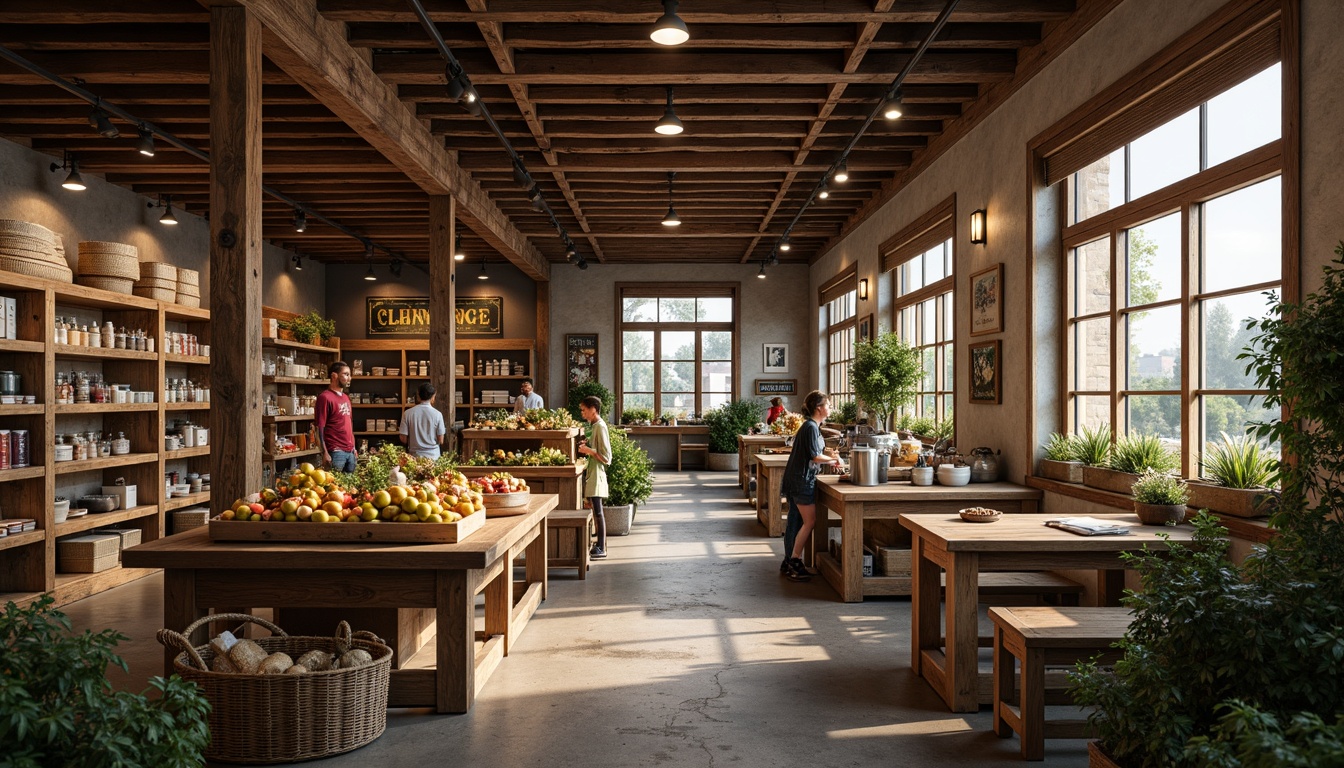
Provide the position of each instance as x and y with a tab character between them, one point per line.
73	181
521	175
298	263
669	29
145	144
773	260
167	204
98	119
395	267
483	275
458	255
300	221
761	275
370	276
784	243
582	262
670	125
842	172
538	202
571	252
455	85
892	108
823	193
671	219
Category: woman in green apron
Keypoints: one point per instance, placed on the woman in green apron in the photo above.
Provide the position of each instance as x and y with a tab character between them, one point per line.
597	447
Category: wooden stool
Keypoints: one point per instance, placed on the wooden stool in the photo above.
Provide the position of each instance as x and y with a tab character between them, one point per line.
569	537
692	448
1035	637
1034	587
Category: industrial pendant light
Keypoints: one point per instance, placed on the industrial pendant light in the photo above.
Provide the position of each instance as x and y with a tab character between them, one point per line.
73	181
669	29
671	219
483	275
298	263
824	192
458	255
145	144
98	119
892	108
368	256
761	275
842	173
300	221
370	276
784	243
670	125
168	217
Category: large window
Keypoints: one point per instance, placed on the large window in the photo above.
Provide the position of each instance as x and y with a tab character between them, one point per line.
1170	244
839	306
678	347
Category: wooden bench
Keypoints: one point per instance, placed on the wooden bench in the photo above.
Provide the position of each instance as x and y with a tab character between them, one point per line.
569	537
684	448
1036	637
1031	587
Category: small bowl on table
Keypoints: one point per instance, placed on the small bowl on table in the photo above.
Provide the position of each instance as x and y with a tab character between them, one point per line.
980	515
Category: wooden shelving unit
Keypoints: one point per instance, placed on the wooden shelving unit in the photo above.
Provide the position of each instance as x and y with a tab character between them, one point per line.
276	427
28	560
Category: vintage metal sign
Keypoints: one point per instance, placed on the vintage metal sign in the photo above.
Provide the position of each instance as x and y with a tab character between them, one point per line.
477	316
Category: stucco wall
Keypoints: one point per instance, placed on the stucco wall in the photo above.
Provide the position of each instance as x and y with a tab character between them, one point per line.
29	191
777	309
987	169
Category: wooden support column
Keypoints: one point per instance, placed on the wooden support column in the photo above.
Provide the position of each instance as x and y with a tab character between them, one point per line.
543	367
442	304
235	251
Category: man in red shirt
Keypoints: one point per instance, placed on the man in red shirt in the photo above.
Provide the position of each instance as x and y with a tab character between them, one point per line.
335	432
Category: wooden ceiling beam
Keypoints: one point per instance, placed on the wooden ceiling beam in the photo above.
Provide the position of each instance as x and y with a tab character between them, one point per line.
678	161
709	94
141	94
106	37
312	50
126	67
104	12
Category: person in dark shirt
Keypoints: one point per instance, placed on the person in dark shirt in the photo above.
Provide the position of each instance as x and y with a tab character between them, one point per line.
800	480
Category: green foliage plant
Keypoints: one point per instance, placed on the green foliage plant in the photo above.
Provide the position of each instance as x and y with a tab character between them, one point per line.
634	415
310	328
731	419
1155	487
58	709
1238	462
1094	446
1137	453
1249	738
885	375
923	426
848	413
630	475
596	389
944	429
1062	447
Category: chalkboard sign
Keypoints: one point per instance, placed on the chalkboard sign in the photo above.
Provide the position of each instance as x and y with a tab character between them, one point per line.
477	316
581	357
776	386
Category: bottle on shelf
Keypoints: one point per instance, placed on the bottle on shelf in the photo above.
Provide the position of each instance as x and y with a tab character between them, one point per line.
121	445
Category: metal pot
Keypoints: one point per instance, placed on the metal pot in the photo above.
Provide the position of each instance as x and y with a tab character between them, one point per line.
863	466
99	503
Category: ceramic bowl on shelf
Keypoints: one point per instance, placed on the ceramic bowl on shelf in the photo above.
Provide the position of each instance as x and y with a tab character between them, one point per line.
99	502
952	475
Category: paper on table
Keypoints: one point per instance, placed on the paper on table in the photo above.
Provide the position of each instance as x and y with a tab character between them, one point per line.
1088	526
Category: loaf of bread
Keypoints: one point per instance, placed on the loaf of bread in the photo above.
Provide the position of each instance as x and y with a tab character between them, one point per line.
356	658
247	656
315	661
275	664
297	669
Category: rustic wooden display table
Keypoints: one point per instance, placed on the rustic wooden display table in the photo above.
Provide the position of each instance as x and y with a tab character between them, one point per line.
565	480
859	504
200	574
770	507
1014	543
689	433
486	440
747	447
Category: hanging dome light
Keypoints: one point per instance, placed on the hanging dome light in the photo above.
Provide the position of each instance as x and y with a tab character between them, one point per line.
892	108
669	29
168	217
670	125
458	254
671	219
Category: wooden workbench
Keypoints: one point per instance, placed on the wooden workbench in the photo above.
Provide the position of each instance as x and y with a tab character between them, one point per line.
200	574
683	433
770	507
857	505
747	447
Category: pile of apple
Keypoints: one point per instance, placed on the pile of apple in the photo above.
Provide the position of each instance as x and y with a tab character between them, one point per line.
500	482
311	495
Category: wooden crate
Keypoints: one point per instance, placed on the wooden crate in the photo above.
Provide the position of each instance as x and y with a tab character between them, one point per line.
380	533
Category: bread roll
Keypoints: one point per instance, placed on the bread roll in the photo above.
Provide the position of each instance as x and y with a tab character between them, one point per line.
221	663
356	658
275	664
247	657
297	669
316	661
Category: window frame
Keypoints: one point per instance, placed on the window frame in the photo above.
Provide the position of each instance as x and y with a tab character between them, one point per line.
844	284
732	291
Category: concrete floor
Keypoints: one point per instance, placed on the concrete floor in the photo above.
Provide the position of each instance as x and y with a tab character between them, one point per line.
684	648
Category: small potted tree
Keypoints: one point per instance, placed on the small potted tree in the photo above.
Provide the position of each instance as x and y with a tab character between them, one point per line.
1241	471
1063	459
1159	498
725	423
1130	456
595	388
885	376
629	482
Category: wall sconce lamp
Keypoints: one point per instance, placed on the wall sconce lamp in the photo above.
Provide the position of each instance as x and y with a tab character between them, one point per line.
863	289
978	226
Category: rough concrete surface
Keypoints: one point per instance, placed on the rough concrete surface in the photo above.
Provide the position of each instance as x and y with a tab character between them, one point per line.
684	648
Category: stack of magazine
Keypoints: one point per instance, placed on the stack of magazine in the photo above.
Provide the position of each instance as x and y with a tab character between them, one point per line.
1089	526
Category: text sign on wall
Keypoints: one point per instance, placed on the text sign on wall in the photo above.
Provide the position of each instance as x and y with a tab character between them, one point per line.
476	316
776	386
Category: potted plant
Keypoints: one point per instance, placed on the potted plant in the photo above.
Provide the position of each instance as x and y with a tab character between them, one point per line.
848	413
1159	498
669	418
725	423
60	710
629	482
1063	458
311	328
1240	469
637	416
885	375
591	387
1130	456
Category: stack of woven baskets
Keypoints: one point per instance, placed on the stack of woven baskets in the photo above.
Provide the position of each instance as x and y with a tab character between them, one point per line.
157	281
110	266
33	250
188	287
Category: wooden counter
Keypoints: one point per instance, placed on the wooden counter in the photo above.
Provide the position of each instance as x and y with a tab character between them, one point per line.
770	507
565	481
857	505
486	440
688	433
200	574
748	446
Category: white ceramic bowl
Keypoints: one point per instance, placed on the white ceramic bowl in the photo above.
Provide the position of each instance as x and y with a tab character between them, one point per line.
950	475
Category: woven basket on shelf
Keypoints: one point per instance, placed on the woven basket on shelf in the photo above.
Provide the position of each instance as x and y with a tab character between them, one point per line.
188	288
157	270
188	276
261	719
29	268
27	229
188	301
159	294
107	264
114	284
187	519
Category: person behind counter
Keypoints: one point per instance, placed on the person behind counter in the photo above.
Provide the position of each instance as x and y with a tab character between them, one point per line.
335	430
800	481
528	399
422	427
776	410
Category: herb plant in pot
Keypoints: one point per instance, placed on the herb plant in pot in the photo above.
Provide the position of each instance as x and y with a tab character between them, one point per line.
885	376
629	483
1063	459
1130	456
1240	471
725	423
1159	498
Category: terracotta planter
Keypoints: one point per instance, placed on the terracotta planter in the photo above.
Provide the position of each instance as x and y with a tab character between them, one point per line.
285	333
1063	471
1096	758
1237	502
1159	514
1109	480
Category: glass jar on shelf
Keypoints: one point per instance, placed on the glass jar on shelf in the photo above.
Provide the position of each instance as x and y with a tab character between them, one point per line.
121	445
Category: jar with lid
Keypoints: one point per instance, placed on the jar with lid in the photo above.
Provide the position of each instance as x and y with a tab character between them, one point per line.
109	335
74	336
58	333
121	445
105	446
95	338
121	339
80	451
81	387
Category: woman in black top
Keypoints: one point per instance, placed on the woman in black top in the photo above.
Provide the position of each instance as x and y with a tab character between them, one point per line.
800	480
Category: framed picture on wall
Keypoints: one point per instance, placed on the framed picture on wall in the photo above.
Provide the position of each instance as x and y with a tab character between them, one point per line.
987	301
580	357
776	358
865	328
986	372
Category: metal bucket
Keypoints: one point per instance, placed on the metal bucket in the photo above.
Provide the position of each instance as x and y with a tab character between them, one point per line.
863	466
